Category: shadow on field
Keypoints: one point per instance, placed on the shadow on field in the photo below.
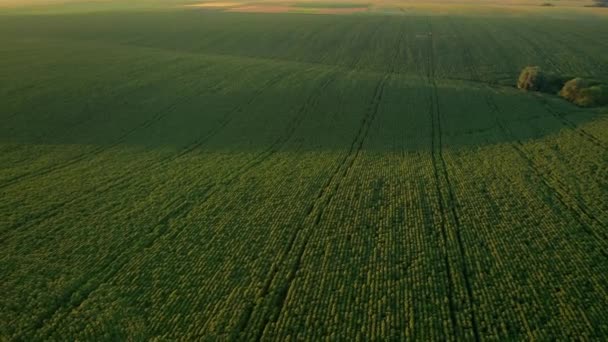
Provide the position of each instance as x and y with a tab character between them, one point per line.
235	83
325	112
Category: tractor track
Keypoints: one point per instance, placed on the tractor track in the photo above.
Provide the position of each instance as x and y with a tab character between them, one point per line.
183	207
469	61
580	210
446	260
322	201
538	51
158	116
557	41
440	171
317	208
112	184
560	116
71	126
86	286
132	74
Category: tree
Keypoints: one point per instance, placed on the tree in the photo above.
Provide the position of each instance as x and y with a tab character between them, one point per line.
531	78
585	93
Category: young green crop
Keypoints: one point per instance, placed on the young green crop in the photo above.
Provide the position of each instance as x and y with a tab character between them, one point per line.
189	174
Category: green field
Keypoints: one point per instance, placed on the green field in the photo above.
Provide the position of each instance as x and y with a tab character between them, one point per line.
170	172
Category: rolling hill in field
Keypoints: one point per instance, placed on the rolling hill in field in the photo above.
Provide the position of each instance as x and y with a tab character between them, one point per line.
300	170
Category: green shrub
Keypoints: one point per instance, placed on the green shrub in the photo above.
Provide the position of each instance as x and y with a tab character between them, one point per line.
585	93
532	78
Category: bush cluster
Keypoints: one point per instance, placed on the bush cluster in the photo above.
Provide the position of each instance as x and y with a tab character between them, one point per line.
534	79
582	92
585	93
530	78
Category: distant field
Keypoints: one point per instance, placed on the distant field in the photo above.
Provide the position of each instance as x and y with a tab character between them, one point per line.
179	172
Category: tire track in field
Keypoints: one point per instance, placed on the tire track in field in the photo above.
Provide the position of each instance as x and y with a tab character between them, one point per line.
96	151
469	61
158	116
121	96
77	159
11	116
429	75
55	211
580	210
129	75
112	184
83	288
316	210
355	65
313	217
493	106
556	40
183	207
146	124
72	125
229	117
499	49
447	205
538	51
561	117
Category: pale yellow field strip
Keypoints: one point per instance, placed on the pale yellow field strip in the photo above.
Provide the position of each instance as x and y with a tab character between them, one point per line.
27	3
260	9
215	4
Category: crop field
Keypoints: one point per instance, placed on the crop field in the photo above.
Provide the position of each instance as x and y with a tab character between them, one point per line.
310	171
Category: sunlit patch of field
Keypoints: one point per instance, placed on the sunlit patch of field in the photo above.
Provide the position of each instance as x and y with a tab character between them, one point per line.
261	9
216	4
21	3
342	10
47	7
558	8
561	8
330	7
311	7
185	173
